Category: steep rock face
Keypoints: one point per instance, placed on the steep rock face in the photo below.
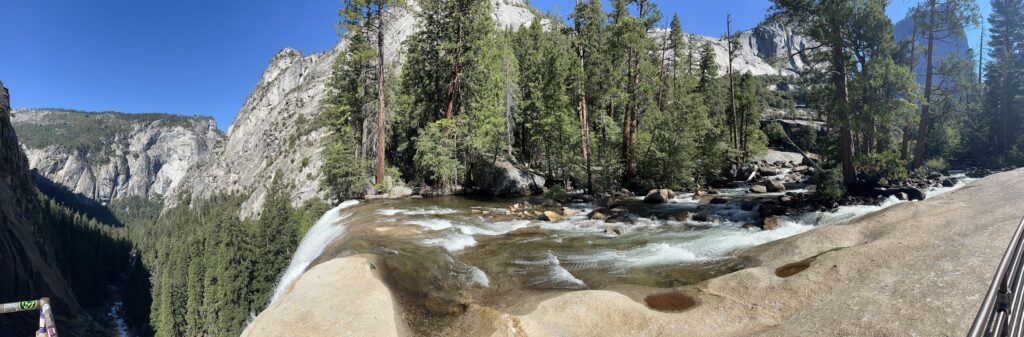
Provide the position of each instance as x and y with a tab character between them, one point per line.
105	156
944	47
28	266
768	49
276	129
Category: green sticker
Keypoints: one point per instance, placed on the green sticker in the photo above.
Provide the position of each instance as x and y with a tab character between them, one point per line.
28	305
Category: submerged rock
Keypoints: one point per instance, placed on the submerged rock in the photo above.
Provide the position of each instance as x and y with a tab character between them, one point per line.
617	230
770	223
530	231
600	214
758	189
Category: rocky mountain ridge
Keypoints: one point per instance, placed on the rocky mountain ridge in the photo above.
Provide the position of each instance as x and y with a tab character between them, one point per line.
27	264
767	49
276	129
105	156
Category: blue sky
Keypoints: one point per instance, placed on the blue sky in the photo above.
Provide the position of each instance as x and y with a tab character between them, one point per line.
202	57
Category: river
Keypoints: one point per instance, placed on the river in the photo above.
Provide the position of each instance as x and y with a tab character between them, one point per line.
451	250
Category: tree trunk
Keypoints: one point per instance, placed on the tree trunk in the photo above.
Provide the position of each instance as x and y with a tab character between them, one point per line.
584	120
380	94
842	97
922	129
733	132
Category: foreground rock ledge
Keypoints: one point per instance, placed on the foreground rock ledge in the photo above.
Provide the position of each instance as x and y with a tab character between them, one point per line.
340	297
918	268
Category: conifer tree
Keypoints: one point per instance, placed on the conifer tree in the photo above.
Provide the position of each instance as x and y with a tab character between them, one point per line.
1004	78
939	19
371	19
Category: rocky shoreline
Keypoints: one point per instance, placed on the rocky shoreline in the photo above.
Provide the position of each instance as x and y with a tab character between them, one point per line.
851	279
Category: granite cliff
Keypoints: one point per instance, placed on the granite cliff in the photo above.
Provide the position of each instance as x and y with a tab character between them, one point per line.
105	156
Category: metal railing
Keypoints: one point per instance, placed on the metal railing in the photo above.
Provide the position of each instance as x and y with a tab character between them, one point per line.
47	328
1001	313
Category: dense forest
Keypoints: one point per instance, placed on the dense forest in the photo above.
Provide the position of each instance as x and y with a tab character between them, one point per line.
596	102
612	99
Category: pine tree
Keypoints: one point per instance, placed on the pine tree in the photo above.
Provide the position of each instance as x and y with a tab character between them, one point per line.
840	27
1003	77
371	19
273	243
947	18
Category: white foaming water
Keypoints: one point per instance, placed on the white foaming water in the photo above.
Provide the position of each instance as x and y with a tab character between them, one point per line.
453	242
433	210
432	224
496	228
556	274
718	241
479	277
325	231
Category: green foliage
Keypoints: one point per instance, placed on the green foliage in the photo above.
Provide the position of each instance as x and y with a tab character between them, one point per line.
776	134
435	153
211	270
829	187
882	167
344	174
936	164
557	193
134	210
806	137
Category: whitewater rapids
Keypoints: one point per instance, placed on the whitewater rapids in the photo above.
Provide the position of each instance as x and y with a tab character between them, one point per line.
327	229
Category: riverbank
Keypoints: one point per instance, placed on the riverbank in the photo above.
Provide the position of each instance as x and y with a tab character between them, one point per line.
916	267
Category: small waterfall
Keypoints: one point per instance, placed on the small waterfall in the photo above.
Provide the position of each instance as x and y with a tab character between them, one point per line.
325	231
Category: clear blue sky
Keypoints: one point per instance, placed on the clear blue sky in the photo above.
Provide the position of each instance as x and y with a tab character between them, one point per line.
202	57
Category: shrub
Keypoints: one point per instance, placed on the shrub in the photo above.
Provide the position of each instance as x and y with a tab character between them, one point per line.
557	193
882	168
806	137
776	134
936	164
829	186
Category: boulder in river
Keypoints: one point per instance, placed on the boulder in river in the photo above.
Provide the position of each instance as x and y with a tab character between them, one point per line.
949	182
502	179
770	223
910	192
758	189
768	171
659	196
599	214
552	216
768	209
800	169
775	186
